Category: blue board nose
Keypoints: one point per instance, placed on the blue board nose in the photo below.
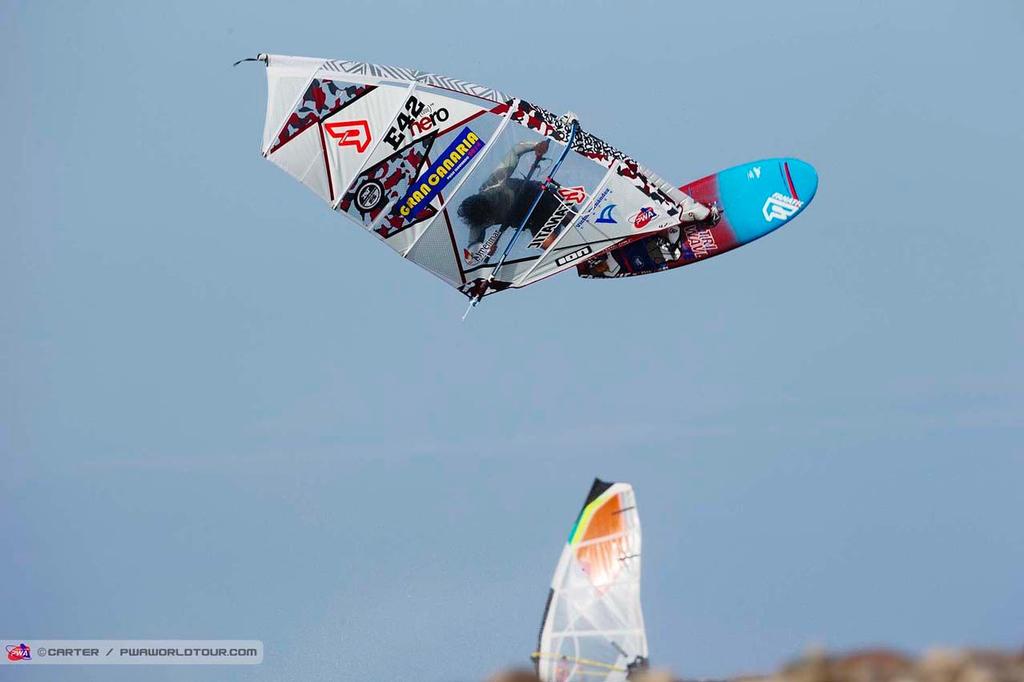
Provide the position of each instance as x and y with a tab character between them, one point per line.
760	197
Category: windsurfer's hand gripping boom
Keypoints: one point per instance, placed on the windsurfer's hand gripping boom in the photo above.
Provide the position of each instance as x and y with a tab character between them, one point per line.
509	164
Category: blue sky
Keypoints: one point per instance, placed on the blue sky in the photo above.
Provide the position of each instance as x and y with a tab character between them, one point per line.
225	413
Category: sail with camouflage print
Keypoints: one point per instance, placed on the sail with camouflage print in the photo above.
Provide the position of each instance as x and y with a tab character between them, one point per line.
593	626
485	190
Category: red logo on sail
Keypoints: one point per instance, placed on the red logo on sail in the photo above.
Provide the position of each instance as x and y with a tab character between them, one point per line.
573	195
350	134
645	216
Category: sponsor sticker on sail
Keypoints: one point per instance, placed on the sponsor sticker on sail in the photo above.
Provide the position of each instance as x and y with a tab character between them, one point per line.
449	164
643	218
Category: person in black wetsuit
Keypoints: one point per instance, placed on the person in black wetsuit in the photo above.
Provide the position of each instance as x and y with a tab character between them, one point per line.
504	201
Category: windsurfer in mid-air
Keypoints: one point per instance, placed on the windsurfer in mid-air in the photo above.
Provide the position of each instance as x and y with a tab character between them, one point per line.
505	201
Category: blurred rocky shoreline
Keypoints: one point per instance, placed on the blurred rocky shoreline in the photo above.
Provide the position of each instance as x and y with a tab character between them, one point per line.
868	665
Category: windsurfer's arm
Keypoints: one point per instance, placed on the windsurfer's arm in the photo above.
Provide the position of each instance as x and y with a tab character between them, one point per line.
509	163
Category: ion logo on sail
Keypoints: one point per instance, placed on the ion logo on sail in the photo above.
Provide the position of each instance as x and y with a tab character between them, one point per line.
574	256
350	134
780	207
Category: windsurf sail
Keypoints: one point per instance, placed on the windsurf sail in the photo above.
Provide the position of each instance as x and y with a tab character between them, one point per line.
436	167
593	626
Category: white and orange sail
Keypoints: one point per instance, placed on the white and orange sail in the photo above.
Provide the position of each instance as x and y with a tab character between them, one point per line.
593	625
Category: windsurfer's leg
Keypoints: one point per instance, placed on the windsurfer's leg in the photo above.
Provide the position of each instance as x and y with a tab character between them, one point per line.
714	215
476	236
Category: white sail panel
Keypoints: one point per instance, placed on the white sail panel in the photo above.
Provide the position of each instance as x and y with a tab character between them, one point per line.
298	143
287	78
303	158
356	130
433	251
